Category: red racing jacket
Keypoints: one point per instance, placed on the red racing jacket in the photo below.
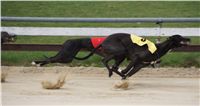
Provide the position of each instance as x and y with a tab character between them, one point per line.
96	41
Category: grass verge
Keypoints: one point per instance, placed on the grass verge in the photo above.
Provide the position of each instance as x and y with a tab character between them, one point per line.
24	58
100	9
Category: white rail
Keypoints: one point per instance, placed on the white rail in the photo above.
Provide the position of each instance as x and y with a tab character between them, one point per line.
103	20
63	31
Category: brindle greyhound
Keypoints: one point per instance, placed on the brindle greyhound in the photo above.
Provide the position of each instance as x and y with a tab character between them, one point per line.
116	47
7	37
71	48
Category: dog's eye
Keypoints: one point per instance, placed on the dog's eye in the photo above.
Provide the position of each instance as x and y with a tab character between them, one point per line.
143	39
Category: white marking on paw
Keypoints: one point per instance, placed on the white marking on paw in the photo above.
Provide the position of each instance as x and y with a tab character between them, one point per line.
33	63
120	70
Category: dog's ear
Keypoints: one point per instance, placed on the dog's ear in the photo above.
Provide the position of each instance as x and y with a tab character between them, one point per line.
175	37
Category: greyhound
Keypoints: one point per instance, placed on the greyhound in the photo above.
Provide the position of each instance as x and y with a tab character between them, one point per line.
70	49
7	37
118	47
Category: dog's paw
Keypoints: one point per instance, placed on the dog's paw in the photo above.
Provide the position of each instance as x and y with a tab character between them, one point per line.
38	65
124	78
110	74
123	72
33	63
120	70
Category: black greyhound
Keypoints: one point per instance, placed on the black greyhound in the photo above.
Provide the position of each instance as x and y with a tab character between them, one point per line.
120	46
117	47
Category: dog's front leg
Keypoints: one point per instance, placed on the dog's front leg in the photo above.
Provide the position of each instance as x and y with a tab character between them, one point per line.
116	70
136	68
130	65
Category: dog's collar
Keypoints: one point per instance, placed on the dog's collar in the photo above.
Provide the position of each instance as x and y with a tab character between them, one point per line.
152	62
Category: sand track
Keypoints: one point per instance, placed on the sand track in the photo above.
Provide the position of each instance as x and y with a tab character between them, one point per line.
91	85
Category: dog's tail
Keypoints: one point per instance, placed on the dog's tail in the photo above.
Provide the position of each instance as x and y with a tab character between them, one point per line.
91	53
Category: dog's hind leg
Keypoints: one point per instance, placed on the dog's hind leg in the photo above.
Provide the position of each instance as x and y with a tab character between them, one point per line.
65	55
118	61
105	62
46	61
115	51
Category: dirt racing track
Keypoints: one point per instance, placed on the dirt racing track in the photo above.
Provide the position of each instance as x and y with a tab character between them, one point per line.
91	85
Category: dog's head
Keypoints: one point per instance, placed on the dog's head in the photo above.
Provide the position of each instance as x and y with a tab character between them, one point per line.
179	41
7	37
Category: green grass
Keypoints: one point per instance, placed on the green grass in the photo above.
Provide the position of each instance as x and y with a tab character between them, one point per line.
116	25
25	58
181	59
21	58
100	9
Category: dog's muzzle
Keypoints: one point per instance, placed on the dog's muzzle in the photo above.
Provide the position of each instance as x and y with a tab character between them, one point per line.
185	42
